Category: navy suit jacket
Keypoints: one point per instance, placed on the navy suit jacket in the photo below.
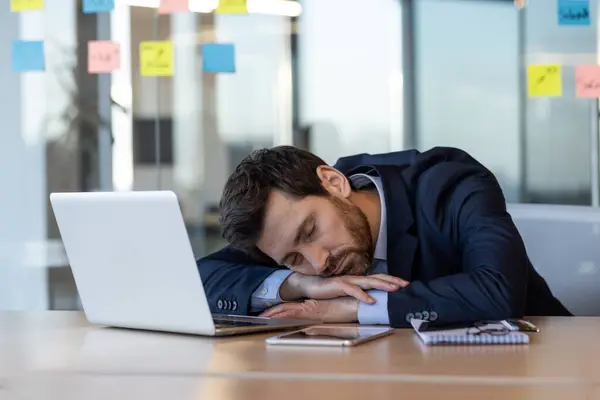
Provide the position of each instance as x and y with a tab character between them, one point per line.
449	235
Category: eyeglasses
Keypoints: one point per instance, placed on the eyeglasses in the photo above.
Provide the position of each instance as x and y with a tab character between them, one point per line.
481	327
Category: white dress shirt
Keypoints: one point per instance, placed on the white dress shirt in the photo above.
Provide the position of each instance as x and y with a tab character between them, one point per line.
267	294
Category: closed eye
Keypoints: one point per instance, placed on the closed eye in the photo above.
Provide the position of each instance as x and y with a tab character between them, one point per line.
295	260
311	232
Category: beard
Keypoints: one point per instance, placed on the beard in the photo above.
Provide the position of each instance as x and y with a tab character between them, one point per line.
358	257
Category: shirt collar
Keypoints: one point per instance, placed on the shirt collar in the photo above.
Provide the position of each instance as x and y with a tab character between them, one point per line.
361	180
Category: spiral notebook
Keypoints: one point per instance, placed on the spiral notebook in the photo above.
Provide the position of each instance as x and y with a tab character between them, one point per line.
490	332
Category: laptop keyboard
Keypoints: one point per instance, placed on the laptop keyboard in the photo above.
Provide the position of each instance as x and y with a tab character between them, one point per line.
227	322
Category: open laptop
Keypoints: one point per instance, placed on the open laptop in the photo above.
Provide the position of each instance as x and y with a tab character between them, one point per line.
134	267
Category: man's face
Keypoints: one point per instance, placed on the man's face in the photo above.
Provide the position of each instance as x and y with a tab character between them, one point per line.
317	235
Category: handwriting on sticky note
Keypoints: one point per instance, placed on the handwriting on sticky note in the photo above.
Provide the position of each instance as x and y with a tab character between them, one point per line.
587	81
98	6
573	12
232	7
156	58
26	5
103	56
173	6
544	80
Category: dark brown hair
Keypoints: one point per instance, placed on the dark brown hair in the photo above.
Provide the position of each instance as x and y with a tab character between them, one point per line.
285	168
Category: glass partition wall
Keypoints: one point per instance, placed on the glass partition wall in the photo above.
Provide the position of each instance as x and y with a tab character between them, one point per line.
337	77
471	92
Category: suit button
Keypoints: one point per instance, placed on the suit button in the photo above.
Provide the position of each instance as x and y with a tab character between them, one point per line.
226	304
418	315
220	304
234	305
433	316
409	317
425	315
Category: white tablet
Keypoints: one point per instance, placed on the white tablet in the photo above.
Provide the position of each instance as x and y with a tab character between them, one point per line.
341	336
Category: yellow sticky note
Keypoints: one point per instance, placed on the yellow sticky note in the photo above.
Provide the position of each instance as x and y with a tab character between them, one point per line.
156	58
232	7
544	80
26	5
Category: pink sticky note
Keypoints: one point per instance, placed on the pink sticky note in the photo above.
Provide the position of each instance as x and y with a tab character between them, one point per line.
171	6
103	56
587	81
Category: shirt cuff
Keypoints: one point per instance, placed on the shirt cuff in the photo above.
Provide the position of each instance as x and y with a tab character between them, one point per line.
267	294
374	314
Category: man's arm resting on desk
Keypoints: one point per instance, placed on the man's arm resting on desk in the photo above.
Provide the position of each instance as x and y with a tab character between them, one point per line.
236	284
339	309
230	277
268	293
374	314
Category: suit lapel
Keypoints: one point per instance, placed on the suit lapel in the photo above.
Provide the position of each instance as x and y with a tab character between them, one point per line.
401	244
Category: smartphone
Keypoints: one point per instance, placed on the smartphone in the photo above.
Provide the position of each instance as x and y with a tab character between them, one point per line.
340	336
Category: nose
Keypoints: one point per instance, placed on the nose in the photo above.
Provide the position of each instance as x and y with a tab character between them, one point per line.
317	257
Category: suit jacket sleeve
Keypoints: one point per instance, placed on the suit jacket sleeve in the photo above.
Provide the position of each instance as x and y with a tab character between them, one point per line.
464	204
230	277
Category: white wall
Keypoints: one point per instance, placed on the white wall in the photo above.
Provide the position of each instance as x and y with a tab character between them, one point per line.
350	67
468	82
247	101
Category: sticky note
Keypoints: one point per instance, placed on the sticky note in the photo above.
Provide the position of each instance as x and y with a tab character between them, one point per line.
28	56
98	6
156	58
573	12
218	57
103	56
544	80
232	7
587	81
26	5
172	6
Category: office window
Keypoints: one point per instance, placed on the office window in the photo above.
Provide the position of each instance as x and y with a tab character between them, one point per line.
468	83
471	58
350	76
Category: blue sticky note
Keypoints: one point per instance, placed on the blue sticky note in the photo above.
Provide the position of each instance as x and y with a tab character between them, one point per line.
98	6
218	57
28	56
573	12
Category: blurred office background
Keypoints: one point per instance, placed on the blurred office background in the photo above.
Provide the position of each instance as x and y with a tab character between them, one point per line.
334	76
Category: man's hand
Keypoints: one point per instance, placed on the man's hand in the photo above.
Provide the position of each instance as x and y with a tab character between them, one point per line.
298	286
342	310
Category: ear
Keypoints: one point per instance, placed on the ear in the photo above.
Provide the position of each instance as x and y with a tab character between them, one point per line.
334	181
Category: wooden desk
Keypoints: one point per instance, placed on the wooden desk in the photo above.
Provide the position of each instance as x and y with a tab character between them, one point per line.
565	354
103	387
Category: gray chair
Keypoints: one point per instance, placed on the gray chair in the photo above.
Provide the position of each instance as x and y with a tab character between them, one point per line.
563	243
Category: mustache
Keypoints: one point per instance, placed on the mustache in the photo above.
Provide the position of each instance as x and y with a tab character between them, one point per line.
332	265
334	262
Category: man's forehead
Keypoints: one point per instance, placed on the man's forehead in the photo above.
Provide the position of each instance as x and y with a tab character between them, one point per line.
282	217
279	206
